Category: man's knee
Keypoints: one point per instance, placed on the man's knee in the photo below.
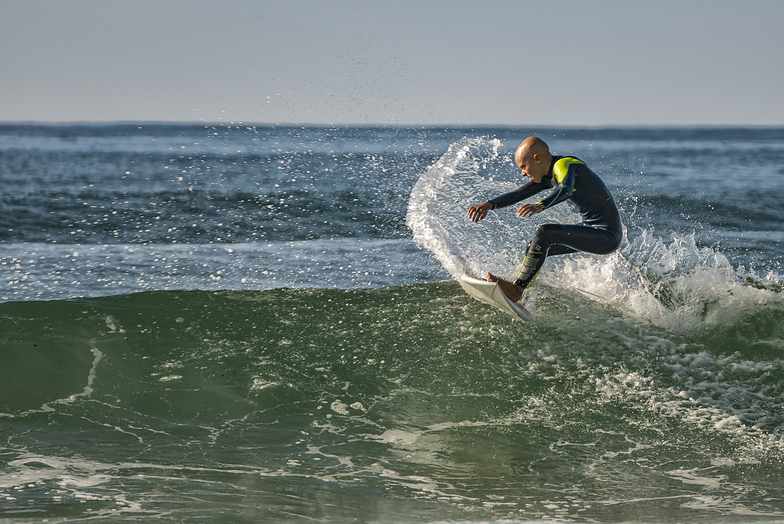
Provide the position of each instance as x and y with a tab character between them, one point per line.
544	235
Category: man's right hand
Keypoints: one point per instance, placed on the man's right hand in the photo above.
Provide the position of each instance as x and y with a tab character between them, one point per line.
477	213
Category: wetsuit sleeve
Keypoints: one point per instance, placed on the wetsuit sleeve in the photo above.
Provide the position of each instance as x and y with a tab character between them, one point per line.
564	172
521	193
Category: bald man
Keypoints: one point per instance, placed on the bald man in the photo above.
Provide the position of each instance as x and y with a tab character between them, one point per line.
567	178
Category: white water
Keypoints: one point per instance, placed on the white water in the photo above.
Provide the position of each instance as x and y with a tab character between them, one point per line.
677	286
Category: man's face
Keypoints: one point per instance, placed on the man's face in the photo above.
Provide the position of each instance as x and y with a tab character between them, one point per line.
531	166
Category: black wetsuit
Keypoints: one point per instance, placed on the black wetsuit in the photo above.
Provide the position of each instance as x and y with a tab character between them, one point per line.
570	179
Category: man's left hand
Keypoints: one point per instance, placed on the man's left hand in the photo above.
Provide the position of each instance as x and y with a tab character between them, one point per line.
527	210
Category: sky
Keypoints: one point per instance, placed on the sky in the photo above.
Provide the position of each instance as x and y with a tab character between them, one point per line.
395	62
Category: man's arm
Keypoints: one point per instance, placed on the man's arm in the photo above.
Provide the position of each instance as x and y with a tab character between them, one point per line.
521	193
478	212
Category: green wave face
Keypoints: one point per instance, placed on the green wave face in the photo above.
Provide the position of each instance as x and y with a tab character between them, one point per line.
416	397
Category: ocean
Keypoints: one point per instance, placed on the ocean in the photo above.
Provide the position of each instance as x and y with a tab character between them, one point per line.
244	323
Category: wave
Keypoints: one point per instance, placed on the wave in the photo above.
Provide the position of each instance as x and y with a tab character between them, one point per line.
390	389
246	349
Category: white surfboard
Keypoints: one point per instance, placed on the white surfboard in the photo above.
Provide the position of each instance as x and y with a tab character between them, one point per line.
490	293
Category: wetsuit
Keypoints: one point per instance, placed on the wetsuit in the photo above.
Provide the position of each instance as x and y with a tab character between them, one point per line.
570	179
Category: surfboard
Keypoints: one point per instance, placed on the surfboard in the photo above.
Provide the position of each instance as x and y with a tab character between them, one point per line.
490	293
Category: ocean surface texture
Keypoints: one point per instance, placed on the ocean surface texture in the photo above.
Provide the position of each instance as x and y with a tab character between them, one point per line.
238	323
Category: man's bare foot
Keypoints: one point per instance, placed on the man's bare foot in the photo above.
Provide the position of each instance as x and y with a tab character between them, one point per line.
510	289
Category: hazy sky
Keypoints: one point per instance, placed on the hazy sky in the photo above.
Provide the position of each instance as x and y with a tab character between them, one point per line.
563	63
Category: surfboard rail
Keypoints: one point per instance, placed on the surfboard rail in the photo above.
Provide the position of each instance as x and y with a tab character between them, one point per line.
490	293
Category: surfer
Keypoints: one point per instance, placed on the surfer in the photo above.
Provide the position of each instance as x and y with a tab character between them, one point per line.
569	178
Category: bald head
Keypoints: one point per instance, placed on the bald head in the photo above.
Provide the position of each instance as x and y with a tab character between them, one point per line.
533	158
533	145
